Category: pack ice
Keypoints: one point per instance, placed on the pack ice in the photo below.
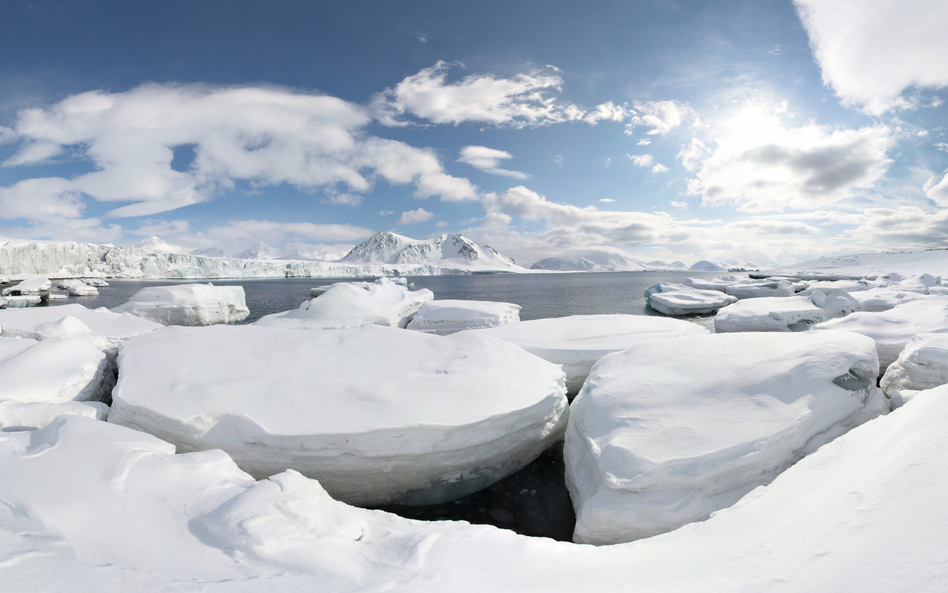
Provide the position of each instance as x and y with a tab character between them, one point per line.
377	414
578	341
669	431
778	288
105	328
448	316
53	371
188	304
353	304
923	364
894	328
680	299
768	314
16	416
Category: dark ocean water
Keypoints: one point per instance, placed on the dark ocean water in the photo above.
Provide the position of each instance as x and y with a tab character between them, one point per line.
533	501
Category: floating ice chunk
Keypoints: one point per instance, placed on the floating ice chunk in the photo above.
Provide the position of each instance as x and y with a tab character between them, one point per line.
689	302
449	316
834	305
780	288
885	298
107	328
55	297
353	304
97	282
83	290
578	341
836	286
377	414
34	285
21	302
665	287
669	431
768	314
30	416
923	364
53	371
188	304
895	328
719	284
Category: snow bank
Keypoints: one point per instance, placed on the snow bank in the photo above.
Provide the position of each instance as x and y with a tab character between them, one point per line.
30	416
923	364
780	288
377	414
53	371
669	431
895	328
578	341
353	304
188	304
768	314
448	316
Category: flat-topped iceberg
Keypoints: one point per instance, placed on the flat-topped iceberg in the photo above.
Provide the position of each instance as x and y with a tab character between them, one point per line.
34	285
449	315
720	283
353	304
923	364
53	371
894	328
16	415
778	288
578	341
669	431
768	314
188	304
689	302
377	414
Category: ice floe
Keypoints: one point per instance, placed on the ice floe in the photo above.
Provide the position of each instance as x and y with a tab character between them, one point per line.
34	285
448	316
377	414
768	314
778	288
16	415
188	304
578	341
53	371
353	304
884	298
689	302
107	327
669	431
923	364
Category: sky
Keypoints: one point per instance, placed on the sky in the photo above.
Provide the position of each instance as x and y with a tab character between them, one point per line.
746	130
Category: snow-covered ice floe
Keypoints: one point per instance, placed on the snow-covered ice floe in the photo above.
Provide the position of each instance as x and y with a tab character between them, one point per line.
188	304
21	302
720	283
895	328
32	415
768	314
884	298
377	414
779	288
448	316
680	299
578	341
89	506
923	364
34	285
353	304
78	288
669	431
53	371
106	328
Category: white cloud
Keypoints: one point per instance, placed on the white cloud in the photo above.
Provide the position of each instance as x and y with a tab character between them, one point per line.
265	136
415	216
607	200
488	160
661	116
870	51
608	111
679	205
41	199
776	51
7	136
759	165
237	234
441	224
659	168
643	142
937	189
162	227
641	160
386	213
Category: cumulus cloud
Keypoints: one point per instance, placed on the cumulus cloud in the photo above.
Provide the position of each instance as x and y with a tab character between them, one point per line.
904	228
641	160
643	142
936	189
659	168
870	51
661	116
759	165
415	216
265	136
488	160
679	205
7	135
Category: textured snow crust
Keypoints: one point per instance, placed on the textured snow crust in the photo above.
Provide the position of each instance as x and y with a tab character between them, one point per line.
768	314
53	371
107	328
377	414
188	304
669	431
578	341
353	304
448	316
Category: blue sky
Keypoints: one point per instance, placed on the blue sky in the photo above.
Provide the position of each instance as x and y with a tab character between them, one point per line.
769	131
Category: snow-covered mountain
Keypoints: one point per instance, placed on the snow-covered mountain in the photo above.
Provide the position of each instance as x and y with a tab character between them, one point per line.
153	244
870	265
317	252
448	250
600	259
261	251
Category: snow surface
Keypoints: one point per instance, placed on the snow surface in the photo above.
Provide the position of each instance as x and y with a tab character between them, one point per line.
895	328
836	304
669	431
16	415
870	265
923	364
107	328
377	414
578	341
188	304
780	288
353	304
448	316
768	314
53	371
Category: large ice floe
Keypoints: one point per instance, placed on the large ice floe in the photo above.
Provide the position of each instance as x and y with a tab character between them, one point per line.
894	328
16	415
89	507
377	414
353	304
188	304
448	316
34	285
777	288
53	371
578	341
923	364
883	298
103	327
680	299
768	314
669	431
